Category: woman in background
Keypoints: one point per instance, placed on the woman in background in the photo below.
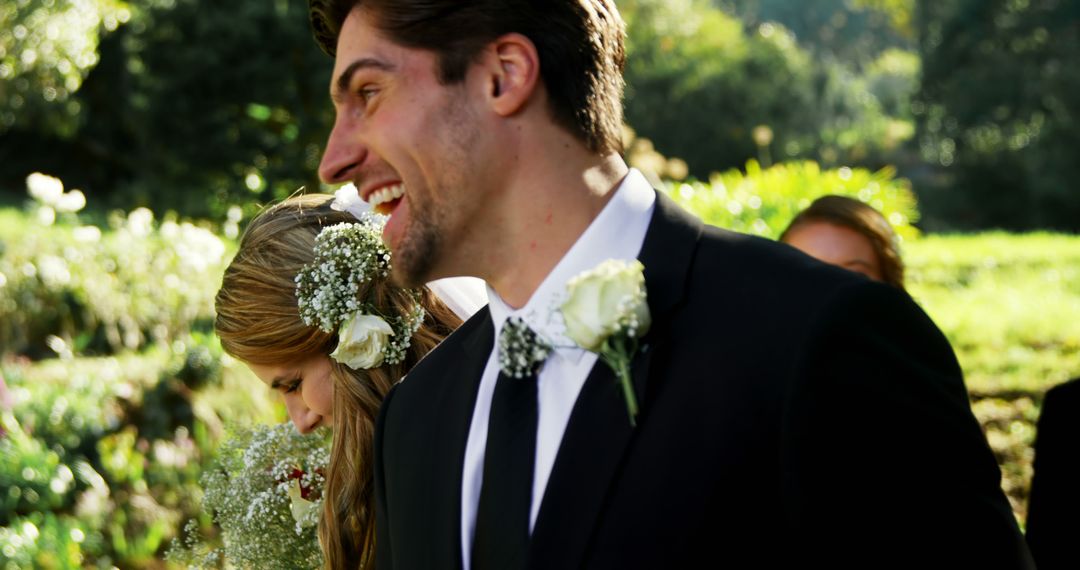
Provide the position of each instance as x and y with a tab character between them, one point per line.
848	233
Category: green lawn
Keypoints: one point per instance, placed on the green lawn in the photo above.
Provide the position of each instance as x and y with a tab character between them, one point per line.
1010	305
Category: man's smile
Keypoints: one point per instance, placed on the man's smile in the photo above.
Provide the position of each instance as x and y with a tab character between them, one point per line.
384	200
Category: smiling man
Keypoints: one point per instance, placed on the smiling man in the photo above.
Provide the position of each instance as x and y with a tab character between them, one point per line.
790	413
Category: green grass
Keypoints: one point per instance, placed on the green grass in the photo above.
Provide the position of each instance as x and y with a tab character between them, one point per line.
1009	304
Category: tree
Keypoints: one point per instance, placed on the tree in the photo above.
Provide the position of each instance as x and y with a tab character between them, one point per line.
193	105
705	89
853	31
999	107
46	49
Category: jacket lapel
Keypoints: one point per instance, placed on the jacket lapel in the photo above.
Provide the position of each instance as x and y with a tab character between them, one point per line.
599	432
455	417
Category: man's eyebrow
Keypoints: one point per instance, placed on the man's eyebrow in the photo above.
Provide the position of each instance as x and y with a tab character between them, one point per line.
343	80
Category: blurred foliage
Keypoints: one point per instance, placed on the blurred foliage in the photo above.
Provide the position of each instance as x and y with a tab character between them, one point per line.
1009	425
46	49
45	540
763	201
100	457
998	112
111	493
175	101
856	31
1009	304
706	88
161	103
69	287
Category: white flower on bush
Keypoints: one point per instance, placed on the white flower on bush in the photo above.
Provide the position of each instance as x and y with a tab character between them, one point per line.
44	188
71	201
140	222
604	301
49	191
46	216
87	234
361	342
54	271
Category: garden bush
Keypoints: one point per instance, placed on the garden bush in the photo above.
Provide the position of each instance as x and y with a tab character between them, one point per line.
762	201
129	475
68	287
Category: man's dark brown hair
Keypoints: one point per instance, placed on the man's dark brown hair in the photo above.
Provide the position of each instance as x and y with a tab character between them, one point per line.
580	45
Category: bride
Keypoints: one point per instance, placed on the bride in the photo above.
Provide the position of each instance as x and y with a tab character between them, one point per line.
307	305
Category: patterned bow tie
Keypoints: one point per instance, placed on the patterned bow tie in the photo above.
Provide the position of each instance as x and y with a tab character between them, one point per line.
521	351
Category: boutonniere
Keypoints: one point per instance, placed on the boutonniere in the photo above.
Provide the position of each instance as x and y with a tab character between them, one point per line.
606	312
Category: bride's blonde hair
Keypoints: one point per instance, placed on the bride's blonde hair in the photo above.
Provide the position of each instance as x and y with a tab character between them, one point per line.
258	322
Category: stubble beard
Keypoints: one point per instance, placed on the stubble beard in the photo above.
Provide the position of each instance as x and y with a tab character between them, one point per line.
432	218
419	249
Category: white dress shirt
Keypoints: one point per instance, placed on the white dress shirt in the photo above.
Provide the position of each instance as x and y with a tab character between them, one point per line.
617	233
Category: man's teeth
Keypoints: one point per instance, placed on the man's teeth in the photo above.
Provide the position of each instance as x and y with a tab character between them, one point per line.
386	194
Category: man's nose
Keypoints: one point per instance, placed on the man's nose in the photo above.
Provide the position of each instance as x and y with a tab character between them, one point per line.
344	153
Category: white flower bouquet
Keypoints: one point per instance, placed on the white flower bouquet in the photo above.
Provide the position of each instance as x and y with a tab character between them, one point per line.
264	491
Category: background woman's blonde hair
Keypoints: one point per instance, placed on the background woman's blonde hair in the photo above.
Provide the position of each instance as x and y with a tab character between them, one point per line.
258	322
864	219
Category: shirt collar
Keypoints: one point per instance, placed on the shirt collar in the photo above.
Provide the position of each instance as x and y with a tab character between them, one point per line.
616	233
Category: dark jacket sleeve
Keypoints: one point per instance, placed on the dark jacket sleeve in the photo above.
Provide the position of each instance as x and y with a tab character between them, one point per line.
384	557
884	465
1053	524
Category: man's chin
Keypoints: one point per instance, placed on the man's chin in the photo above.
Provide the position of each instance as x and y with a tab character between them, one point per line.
403	279
407	275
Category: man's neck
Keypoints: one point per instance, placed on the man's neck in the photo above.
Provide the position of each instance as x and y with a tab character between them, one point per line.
542	217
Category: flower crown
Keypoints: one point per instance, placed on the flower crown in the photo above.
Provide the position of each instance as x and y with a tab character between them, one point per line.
327	291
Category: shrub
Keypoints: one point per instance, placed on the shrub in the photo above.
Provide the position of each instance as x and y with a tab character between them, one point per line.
763	201
75	289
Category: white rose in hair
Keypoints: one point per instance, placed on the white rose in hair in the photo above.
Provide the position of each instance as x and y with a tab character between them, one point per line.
361	342
604	301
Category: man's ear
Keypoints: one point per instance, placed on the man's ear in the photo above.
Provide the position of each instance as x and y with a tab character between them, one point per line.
513	70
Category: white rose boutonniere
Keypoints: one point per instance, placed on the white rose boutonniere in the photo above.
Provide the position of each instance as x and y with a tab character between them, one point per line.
362	342
606	312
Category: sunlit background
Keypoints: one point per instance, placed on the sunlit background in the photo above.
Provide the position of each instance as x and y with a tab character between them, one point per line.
138	137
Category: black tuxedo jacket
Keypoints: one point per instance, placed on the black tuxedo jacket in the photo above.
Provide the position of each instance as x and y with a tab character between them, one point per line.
1053	523
793	414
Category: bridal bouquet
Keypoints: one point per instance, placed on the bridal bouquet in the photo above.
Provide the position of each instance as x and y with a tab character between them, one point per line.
264	491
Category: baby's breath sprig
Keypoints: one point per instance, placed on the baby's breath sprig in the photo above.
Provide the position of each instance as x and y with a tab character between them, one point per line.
247	491
521	351
328	294
346	255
